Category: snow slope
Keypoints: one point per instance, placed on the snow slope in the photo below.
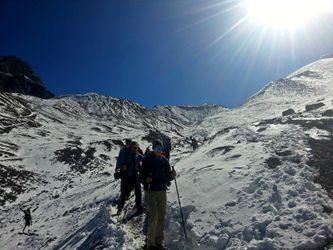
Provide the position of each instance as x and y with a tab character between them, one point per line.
189	114
254	182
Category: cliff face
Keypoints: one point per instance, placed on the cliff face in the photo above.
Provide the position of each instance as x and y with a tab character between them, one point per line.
16	76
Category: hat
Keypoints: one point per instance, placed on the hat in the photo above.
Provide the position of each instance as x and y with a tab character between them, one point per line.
128	141
157	143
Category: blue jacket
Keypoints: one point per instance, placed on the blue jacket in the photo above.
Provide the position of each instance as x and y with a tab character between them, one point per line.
132	161
159	170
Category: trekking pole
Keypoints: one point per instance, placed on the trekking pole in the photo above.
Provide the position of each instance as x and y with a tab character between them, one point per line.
180	207
147	213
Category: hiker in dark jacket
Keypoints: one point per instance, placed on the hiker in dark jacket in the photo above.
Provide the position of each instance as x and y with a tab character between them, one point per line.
27	217
127	166
194	143
156	175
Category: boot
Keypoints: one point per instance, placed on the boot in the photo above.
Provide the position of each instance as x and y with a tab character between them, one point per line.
161	247
139	210
145	247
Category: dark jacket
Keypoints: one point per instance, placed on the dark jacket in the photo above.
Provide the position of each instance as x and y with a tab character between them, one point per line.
167	145
158	169
167	148
132	161
27	214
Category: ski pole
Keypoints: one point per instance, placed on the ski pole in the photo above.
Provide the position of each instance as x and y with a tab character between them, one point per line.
180	207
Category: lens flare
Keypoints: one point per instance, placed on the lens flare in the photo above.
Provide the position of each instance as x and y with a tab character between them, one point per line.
286	13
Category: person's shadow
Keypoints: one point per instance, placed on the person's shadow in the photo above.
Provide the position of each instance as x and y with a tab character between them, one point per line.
29	234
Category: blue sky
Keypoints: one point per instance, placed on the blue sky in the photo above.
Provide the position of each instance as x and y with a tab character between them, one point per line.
155	51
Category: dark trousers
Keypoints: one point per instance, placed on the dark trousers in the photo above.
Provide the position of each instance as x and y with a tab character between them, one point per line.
27	223
126	187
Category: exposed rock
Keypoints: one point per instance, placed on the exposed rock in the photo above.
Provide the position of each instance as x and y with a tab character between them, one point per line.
283	153
220	150
322	158
314	106
288	112
16	76
273	162
13	182
328	112
261	129
153	135
231	204
78	159
308	73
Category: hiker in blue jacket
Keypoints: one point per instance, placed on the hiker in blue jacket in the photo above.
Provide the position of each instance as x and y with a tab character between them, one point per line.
128	162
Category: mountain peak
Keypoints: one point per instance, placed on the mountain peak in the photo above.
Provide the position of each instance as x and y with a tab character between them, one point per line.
16	76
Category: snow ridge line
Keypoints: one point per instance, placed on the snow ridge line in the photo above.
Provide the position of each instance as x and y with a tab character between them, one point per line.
98	229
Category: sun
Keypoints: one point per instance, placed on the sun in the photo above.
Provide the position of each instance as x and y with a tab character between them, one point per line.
287	14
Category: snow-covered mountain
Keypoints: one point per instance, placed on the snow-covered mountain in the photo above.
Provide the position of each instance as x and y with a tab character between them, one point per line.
261	178
127	111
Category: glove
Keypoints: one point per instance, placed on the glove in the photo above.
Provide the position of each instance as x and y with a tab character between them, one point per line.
149	180
118	175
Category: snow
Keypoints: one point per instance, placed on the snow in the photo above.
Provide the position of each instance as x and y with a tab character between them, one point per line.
6	74
248	186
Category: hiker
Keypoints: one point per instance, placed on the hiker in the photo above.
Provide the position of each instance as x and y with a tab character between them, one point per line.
118	174
167	147
27	217
127	166
156	175
194	143
147	151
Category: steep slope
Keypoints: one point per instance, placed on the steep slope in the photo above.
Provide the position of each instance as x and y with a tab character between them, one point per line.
300	88
310	86
189	114
259	180
16	76
264	168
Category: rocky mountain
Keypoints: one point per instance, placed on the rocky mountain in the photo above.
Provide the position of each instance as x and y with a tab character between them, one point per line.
16	76
260	179
123	110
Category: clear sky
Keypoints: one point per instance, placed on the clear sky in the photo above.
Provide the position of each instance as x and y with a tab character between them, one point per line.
157	51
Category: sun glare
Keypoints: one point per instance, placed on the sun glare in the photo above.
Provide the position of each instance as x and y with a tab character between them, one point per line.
287	14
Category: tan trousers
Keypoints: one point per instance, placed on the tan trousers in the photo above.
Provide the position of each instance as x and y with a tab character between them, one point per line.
156	207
